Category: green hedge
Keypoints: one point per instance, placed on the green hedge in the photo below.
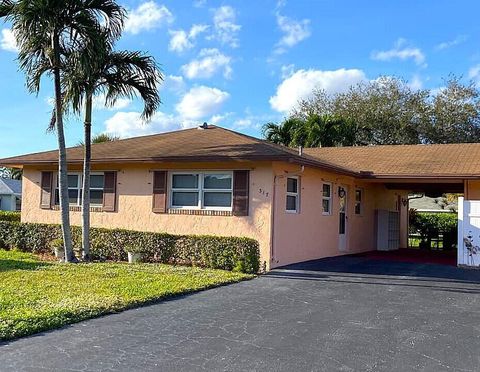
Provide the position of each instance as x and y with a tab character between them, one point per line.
228	253
430	225
10	216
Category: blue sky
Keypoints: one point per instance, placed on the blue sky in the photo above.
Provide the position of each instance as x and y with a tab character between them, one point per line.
241	64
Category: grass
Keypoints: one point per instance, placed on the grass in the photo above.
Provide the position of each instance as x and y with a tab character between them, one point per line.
38	295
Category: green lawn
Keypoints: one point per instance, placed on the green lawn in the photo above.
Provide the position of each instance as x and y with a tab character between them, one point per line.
37	295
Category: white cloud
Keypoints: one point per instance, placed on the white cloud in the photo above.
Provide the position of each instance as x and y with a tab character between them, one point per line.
416	83
210	61
242	123
199	3
121	103
401	50
197	105
293	32
174	83
451	43
182	40
302	83
8	42
201	102
225	27
287	70
147	16
474	73
129	124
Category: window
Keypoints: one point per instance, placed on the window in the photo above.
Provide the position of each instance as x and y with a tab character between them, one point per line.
75	184
327	199
358	201
292	201
208	190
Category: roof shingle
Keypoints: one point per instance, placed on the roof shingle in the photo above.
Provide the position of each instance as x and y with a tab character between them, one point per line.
449	160
220	144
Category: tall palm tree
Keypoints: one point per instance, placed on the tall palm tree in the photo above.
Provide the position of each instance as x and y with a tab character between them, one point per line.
46	31
112	74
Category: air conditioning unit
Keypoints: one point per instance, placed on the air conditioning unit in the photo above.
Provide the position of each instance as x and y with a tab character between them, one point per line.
387	229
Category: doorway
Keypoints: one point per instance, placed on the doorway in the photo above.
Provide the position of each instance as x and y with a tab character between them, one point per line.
342	218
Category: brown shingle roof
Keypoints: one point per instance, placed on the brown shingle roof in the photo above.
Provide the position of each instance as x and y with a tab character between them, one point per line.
220	144
212	144
449	160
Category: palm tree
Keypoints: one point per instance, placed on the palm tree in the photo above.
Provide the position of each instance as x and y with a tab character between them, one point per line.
282	134
46	31
100	138
112	74
104	137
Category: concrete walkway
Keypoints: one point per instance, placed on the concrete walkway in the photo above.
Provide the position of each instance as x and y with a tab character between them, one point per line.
338	314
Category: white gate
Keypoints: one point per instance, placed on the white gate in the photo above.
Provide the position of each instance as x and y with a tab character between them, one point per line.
468	233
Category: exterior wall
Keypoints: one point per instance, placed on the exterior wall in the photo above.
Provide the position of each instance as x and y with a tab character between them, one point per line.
310	234
134	205
7	203
284	237
472	190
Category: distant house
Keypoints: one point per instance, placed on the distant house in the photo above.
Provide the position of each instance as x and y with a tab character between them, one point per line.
299	204
10	194
432	205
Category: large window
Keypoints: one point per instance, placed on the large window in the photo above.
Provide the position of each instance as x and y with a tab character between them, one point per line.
75	189
327	199
293	197
206	190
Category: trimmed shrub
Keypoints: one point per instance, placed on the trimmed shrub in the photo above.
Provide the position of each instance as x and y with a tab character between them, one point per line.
10	216
228	253
430	225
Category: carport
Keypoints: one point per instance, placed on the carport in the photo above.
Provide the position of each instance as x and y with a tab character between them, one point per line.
431	170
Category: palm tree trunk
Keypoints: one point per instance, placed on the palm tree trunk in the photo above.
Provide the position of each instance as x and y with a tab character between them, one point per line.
86	178
62	157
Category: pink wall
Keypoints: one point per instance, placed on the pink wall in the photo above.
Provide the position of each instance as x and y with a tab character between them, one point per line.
297	237
134	205
310	234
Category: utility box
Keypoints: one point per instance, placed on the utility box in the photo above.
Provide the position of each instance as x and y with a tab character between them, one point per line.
387	230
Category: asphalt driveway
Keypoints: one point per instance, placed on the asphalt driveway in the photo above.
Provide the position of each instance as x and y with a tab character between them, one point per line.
337	314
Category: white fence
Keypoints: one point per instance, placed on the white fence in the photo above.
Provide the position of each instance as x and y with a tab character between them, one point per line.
468	233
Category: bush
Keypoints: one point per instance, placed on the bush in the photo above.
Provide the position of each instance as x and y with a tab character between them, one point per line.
10	216
430	225
228	253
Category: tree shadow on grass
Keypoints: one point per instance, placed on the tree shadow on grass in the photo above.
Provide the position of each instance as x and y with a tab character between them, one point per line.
10	265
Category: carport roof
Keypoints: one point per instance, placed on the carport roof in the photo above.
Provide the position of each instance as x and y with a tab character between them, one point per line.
405	161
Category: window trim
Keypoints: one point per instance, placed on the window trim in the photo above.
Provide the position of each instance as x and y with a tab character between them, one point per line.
201	190
359	202
79	188
295	194
329	198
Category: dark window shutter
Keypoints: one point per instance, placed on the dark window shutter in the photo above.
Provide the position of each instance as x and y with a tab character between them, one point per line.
240	192
109	191
159	203
46	193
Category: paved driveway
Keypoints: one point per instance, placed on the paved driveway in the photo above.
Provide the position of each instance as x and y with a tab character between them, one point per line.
338	314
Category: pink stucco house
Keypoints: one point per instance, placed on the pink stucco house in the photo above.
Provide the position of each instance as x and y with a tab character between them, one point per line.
299	204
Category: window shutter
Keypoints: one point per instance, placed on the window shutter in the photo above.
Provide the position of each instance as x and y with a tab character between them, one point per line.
240	192
46	193
159	203
109	191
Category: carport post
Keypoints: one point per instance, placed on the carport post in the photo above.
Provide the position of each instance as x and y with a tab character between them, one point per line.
460	247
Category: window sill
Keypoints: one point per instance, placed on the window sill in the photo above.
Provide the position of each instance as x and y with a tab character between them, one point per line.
199	212
78	208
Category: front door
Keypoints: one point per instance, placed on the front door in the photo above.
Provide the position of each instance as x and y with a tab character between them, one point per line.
343	218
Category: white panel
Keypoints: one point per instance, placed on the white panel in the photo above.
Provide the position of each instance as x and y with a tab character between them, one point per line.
469	239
